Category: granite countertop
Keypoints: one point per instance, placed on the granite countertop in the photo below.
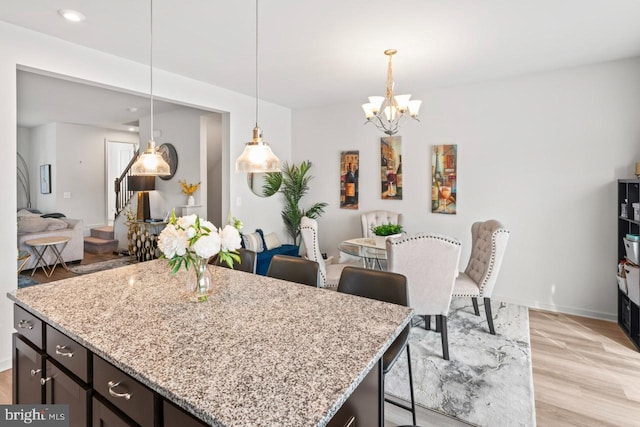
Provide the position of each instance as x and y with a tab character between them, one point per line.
260	352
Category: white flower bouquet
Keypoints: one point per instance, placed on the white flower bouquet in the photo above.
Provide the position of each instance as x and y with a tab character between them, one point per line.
188	239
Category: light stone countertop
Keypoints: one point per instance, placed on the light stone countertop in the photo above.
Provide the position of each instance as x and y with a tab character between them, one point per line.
260	352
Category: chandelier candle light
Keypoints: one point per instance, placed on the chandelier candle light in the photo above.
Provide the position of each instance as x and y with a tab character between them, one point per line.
397	109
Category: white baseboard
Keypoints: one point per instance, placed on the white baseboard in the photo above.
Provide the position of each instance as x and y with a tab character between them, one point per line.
5	364
613	317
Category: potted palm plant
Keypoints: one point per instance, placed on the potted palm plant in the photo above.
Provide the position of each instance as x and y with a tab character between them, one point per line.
384	231
293	184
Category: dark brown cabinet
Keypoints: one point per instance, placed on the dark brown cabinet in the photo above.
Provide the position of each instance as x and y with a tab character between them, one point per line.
174	416
60	388
103	416
628	223
28	366
51	368
362	408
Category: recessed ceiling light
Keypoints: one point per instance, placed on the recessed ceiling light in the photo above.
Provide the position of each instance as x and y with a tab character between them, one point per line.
72	15
132	109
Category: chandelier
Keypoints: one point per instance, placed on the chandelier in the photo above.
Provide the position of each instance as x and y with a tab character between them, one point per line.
257	155
150	162
397	109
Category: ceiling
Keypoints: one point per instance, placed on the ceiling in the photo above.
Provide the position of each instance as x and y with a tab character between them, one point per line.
331	51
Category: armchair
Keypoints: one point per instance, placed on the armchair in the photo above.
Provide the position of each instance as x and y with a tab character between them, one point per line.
375	218
430	263
489	242
329	274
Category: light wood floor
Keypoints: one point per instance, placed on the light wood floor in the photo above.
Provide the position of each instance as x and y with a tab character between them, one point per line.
586	372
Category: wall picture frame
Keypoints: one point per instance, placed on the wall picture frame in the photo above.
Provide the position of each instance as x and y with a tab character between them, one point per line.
45	179
349	182
444	179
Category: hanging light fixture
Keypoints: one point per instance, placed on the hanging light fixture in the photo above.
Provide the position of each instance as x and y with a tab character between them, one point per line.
257	155
396	109
151	163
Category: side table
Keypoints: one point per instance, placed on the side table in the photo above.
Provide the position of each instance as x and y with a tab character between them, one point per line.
23	258
50	243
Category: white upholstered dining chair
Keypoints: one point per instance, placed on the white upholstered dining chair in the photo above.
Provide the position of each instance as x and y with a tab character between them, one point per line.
430	263
374	218
489	242
328	274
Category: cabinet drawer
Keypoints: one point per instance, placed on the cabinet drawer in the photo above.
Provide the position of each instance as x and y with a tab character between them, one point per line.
174	416
124	392
68	353
29	326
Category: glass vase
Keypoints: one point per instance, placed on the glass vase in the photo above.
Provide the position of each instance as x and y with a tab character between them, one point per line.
199	280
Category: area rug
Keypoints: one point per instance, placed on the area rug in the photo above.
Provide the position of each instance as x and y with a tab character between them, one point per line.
25	281
487	382
102	265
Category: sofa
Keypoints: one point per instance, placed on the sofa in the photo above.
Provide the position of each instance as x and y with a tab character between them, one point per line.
74	230
266	246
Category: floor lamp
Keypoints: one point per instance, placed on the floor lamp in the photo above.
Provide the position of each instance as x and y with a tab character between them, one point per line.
142	184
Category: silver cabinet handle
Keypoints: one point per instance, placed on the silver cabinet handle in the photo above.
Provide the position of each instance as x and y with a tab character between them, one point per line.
43	381
67	353
113	385
25	324
35	372
351	421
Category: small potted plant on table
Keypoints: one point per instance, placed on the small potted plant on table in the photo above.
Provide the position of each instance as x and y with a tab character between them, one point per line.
384	231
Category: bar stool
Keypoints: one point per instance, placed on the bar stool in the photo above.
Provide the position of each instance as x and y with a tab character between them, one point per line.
387	287
294	269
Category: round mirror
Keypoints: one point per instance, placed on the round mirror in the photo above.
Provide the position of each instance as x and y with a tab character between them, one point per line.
264	184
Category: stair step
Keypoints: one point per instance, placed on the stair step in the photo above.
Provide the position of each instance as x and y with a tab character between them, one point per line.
96	245
105	232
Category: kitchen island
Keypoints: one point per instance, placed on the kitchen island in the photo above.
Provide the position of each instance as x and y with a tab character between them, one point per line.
259	352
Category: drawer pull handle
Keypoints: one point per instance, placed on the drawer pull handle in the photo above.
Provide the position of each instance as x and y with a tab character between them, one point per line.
60	352
25	324
113	385
351	422
43	381
35	372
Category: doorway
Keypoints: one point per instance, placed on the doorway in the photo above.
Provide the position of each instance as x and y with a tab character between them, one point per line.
118	156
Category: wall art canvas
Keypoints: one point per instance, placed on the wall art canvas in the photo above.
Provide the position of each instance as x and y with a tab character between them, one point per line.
349	183
444	189
391	167
45	179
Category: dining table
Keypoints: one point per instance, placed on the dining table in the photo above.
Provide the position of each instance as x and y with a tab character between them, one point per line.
373	252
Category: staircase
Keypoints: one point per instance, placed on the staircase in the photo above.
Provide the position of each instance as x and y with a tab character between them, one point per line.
101	241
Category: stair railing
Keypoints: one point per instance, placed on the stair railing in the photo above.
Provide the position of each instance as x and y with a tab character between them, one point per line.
121	187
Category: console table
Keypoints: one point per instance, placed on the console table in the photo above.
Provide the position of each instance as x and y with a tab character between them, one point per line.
143	239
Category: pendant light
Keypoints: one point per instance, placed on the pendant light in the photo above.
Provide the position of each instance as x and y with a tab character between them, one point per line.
151	163
257	155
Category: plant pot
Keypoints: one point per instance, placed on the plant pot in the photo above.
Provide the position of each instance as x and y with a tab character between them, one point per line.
380	240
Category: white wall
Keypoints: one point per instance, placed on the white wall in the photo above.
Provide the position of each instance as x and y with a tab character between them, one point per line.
43	152
212	124
80	154
539	152
21	47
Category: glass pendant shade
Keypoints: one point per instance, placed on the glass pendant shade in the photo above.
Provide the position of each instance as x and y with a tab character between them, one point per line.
257	156
150	163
